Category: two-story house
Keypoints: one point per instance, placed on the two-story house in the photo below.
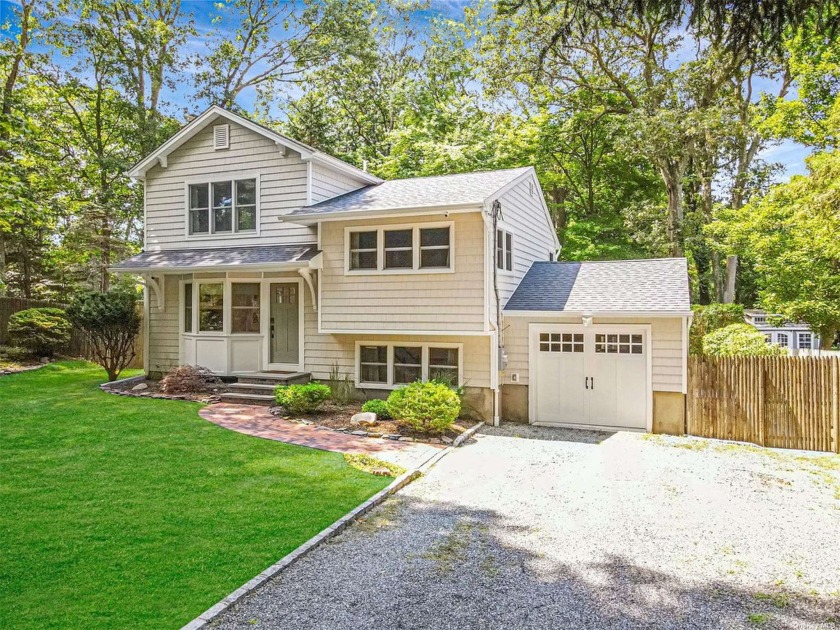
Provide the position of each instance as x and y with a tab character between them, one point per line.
263	255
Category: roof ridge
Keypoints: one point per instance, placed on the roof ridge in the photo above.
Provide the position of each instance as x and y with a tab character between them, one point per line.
627	260
492	170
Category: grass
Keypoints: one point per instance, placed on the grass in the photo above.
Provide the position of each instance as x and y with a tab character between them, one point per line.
124	512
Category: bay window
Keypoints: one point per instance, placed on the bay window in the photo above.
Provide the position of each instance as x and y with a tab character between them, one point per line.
223	207
211	307
385	365
188	307
245	307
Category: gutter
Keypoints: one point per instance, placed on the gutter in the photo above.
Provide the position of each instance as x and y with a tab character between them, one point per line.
298	264
311	218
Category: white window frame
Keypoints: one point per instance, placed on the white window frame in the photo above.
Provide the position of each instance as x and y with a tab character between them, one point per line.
219	178
415	245
506	231
799	337
390	345
225	307
779	339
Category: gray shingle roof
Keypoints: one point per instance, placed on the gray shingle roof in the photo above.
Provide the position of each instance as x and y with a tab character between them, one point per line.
609	286
417	192
218	257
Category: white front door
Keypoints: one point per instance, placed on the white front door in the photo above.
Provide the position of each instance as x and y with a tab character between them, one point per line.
590	376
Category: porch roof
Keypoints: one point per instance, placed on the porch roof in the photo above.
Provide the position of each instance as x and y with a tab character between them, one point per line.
260	256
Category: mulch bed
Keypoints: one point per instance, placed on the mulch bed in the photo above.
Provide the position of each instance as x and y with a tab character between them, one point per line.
337	418
152	390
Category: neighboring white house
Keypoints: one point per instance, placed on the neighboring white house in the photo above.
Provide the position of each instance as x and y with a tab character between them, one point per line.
798	338
265	256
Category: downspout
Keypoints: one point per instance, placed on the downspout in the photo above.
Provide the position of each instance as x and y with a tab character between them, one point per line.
496	210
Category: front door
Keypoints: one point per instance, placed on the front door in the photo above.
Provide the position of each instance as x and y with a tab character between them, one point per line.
284	326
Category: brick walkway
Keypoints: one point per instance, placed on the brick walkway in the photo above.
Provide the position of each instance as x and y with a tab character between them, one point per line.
257	421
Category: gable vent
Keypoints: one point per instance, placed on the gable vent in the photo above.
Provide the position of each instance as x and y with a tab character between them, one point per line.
221	137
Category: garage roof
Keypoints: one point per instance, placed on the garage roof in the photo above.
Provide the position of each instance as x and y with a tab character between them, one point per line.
621	286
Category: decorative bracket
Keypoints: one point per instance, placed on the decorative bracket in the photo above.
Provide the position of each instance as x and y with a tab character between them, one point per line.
162	160
306	274
281	148
158	289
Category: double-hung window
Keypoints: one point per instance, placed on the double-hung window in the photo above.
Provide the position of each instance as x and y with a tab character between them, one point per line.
805	341
392	364
400	249
211	307
223	207
245	307
504	250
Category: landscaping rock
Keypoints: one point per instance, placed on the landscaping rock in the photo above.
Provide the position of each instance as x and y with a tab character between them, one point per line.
406	439
446	440
359	433
375	435
364	419
140	387
434	440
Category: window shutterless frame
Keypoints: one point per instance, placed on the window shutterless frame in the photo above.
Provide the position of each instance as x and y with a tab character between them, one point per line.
397	246
503	254
244	206
392	361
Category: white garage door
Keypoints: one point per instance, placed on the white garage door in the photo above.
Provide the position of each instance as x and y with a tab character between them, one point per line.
590	376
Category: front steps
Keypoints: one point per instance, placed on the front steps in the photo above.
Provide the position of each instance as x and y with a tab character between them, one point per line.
258	388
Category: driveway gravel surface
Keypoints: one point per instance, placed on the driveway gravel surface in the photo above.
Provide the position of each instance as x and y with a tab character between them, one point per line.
545	528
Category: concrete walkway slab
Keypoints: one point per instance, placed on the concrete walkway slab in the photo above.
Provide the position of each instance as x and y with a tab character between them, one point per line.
258	422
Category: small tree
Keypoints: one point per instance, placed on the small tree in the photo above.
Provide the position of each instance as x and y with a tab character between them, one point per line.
111	323
710	318
739	340
39	330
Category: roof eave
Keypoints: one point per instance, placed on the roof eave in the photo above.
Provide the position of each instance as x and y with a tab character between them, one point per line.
587	313
349	215
293	264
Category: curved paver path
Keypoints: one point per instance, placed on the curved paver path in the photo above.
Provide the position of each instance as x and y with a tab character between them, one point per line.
259	422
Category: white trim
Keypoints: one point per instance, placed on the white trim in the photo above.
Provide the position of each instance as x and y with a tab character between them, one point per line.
684	356
415	247
284	266
200	122
309	183
218	178
556	314
533	348
147	324
532	173
387	213
424	368
217	130
506	230
265	324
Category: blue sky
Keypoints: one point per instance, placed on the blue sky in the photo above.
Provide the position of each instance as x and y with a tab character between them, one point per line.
790	154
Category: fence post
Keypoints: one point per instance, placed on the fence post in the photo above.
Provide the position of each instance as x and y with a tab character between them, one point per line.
835	403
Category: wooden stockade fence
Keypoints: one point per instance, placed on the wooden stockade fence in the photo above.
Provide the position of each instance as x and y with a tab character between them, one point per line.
78	345
785	402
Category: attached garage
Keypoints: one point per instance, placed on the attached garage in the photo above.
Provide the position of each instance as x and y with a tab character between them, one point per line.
598	345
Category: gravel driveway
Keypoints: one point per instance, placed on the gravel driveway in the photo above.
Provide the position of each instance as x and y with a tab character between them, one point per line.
537	528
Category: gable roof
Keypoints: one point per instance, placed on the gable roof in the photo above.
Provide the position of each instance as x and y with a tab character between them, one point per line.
200	122
439	191
657	285
206	259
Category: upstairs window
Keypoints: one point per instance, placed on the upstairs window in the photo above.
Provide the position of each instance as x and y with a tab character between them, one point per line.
400	249
504	250
223	207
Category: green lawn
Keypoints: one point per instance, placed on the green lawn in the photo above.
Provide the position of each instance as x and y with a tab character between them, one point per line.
124	512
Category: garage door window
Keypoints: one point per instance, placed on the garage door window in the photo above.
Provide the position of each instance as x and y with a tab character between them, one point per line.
561	342
618	344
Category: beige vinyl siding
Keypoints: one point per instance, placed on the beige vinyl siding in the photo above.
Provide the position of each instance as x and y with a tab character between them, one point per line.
533	234
436	302
666	347
283	183
164	327
328	183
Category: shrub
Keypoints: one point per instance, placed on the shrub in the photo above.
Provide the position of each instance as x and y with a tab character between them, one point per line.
377	406
429	407
39	330
710	318
14	354
739	340
111	323
188	379
302	398
341	386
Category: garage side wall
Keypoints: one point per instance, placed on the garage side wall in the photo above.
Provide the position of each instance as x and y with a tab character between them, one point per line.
667	363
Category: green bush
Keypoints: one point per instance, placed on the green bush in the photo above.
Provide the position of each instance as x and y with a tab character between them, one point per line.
429	407
710	318
739	340
111	323
302	398
377	406
41	331
14	354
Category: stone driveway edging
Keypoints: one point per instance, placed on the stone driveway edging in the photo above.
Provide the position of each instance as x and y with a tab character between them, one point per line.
466	435
289	559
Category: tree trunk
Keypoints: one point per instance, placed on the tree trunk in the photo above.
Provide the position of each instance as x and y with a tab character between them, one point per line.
673	185
731	275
